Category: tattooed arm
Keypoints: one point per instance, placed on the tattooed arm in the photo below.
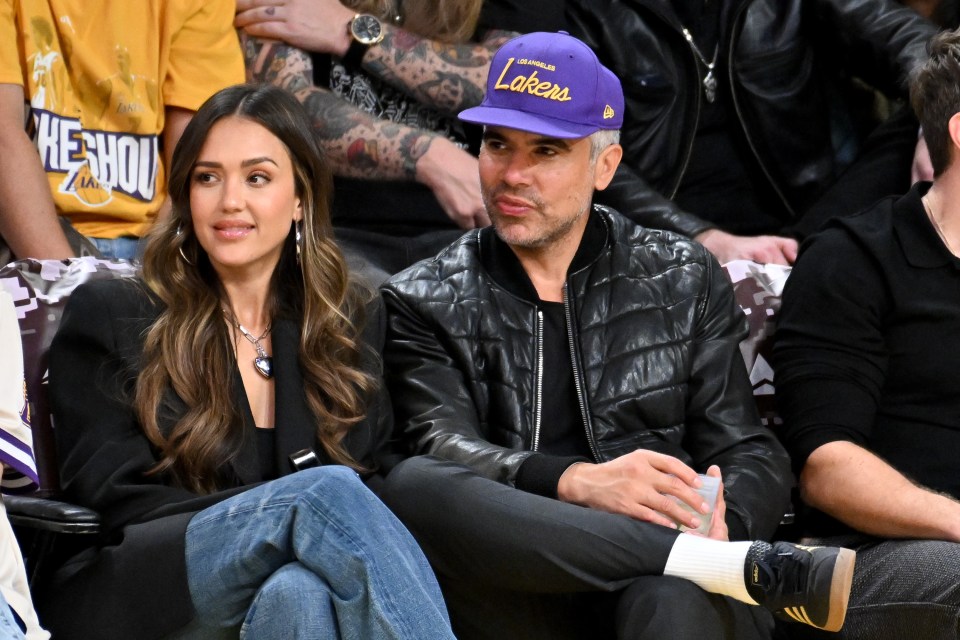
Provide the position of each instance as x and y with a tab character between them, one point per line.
448	77
362	146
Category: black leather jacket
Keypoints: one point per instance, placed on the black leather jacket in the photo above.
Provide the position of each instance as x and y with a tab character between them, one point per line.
654	335
780	54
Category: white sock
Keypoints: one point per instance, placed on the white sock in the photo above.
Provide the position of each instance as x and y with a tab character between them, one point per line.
713	565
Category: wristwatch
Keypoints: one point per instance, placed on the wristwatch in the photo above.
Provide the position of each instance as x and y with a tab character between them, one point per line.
365	30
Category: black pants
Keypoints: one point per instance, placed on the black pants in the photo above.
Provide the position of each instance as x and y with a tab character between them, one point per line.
517	565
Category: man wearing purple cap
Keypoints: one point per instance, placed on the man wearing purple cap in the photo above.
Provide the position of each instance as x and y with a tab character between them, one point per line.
570	373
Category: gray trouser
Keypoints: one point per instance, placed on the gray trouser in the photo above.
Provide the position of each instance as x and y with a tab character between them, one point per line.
902	590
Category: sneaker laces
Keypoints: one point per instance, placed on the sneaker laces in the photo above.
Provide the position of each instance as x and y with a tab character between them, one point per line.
773	574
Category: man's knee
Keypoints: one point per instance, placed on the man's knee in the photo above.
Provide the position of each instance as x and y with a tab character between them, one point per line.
419	480
668	607
662	602
910	571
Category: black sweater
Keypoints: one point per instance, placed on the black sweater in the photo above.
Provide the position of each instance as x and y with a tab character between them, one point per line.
868	342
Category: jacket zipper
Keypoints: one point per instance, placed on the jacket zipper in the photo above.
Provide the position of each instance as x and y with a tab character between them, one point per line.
578	383
696	122
538	406
736	108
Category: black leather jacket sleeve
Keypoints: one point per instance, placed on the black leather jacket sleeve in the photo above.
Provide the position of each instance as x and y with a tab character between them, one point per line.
882	40
432	403
723	429
629	194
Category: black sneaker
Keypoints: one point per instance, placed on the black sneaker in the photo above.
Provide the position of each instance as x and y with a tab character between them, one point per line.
810	585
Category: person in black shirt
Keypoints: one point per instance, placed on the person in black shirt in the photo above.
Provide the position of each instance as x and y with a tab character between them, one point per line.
867	386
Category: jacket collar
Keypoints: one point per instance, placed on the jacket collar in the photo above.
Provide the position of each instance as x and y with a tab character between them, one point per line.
504	267
918	239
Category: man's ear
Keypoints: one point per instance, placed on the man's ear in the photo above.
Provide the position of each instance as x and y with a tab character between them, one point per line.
607	163
953	126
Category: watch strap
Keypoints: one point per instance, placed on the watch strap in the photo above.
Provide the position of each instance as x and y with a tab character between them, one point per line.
353	58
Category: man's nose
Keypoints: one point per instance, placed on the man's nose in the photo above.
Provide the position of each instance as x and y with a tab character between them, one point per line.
517	169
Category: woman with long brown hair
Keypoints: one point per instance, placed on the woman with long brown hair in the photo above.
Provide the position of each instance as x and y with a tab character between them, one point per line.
188	403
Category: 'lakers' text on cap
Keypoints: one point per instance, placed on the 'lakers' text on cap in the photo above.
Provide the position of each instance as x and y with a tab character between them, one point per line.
551	84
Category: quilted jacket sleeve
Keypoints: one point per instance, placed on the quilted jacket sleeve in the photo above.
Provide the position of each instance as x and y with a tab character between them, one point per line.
723	426
433	405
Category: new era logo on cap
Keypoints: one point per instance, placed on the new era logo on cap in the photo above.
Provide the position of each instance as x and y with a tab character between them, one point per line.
551	84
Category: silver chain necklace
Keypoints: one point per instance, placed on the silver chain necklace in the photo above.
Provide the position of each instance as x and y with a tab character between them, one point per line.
936	225
709	80
262	363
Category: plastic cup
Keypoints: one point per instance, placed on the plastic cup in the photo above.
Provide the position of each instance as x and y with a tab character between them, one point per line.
708	491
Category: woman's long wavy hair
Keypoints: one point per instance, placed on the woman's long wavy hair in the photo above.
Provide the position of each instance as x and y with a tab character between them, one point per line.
452	21
189	349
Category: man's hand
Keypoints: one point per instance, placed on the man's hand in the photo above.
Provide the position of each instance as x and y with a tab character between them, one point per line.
641	484
922	168
314	25
763	249
453	176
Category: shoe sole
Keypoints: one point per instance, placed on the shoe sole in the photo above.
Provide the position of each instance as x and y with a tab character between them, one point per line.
840	589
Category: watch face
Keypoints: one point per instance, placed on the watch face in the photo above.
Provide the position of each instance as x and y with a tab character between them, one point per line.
366	29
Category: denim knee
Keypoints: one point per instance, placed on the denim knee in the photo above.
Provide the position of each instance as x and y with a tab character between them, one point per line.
292	603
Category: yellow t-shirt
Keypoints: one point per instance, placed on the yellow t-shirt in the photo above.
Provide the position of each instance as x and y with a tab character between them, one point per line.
98	76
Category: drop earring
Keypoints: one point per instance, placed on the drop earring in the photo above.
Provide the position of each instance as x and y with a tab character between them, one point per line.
298	238
180	249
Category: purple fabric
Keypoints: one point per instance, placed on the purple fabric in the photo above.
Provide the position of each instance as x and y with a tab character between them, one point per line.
40	289
550	84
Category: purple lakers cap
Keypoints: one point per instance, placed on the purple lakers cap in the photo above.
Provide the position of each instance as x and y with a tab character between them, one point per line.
551	84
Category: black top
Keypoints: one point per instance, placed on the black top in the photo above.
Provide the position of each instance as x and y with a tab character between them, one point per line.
522	17
399	207
868	340
562	431
266	453
723	182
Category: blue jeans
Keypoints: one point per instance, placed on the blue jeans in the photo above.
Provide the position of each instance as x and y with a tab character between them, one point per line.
123	248
9	629
312	555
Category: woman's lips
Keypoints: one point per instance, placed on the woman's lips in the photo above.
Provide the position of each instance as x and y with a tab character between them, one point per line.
233	231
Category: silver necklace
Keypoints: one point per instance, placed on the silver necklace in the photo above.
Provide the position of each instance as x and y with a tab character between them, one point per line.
709	80
262	363
936	225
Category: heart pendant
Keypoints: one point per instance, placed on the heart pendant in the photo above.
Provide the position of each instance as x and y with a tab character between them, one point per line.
264	366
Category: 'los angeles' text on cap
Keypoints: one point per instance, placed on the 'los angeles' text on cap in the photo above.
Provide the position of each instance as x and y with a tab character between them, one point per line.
551	84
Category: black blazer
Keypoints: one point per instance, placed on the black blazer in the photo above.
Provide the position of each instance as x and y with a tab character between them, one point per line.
133	583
